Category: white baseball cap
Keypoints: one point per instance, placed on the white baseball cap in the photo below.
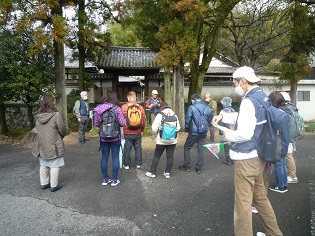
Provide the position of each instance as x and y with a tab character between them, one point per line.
155	92
246	73
286	96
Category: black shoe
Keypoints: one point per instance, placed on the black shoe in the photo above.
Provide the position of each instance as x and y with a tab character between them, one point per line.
43	187
198	171
82	141
86	140
59	186
227	163
279	190
183	168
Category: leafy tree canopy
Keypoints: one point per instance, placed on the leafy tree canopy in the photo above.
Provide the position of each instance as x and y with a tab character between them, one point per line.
255	33
123	36
24	76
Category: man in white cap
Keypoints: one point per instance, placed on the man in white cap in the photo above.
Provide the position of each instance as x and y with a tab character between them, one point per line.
154	104
248	173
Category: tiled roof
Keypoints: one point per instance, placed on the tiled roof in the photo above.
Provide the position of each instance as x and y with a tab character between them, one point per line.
101	76
226	60
128	58
221	70
155	77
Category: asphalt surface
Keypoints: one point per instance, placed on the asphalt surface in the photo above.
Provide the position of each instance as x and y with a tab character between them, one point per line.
187	204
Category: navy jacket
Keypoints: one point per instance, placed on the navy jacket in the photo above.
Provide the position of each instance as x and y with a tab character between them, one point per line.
193	114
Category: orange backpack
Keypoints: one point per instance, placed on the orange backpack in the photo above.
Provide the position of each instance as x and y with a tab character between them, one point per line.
134	116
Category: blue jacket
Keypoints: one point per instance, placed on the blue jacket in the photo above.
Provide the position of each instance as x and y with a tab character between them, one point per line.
192	116
254	95
252	144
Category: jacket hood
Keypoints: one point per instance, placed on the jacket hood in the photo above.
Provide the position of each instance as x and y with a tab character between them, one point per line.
286	109
168	111
103	107
43	118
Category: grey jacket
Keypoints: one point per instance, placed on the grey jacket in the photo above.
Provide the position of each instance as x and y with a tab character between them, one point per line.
51	130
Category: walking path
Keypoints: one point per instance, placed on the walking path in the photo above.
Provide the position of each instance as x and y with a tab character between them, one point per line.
186	204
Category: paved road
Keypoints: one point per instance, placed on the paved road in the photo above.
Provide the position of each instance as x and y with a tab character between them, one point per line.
186	204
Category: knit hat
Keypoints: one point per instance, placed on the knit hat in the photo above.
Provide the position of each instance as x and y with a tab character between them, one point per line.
226	101
164	105
195	96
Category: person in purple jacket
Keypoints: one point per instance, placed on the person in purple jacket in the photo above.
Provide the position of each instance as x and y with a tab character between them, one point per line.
108	101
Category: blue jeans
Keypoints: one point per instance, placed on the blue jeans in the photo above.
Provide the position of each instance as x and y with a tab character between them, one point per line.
190	141
106	148
135	141
281	173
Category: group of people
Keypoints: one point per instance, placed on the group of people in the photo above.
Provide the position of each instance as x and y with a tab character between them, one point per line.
240	139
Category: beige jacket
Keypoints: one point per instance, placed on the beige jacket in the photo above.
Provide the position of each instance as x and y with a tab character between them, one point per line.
51	130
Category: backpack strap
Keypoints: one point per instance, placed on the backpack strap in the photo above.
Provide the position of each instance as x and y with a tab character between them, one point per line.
201	113
164	115
114	107
132	104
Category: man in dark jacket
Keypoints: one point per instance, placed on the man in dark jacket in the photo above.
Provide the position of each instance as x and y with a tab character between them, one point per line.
193	114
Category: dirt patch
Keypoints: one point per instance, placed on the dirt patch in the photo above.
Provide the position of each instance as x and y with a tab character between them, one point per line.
72	138
147	141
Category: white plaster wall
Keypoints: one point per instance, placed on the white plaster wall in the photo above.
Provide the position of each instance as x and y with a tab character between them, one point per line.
306	108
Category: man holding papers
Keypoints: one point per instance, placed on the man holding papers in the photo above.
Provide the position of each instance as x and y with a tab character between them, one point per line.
248	174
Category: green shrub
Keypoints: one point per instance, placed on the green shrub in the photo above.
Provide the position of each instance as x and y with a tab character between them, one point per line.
310	127
72	123
71	98
147	131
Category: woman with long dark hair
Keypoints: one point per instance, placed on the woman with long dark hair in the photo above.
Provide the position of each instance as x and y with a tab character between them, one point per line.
49	146
280	167
109	144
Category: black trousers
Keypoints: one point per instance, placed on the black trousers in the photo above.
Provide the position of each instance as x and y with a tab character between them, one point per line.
159	149
190	141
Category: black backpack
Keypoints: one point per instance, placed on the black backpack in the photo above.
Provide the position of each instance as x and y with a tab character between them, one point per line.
109	128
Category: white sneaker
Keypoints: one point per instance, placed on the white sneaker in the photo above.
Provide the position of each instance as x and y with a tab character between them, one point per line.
138	167
254	210
126	167
260	234
115	183
149	174
292	180
167	175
